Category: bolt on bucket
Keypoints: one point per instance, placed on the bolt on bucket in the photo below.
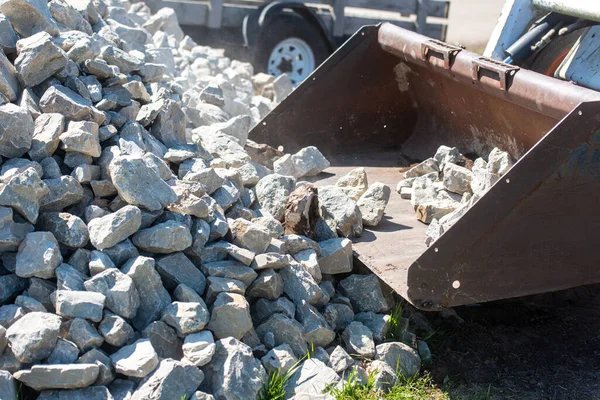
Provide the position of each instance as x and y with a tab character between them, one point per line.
390	93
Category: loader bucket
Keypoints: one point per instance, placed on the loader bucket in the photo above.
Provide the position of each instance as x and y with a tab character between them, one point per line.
389	92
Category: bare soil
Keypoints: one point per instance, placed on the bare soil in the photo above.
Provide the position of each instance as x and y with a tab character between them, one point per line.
538	347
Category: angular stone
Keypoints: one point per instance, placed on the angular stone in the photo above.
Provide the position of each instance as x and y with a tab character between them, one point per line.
268	285
199	348
457	179
169	124
153	297
65	352
122	297
68	229
280	358
499	162
340	360
9	314
186	318
45	140
272	192
445	154
234	372
311	380
68	278
16	130
359	340
23	191
121	389
230	316
164	340
271	261
9	85
68	16
62	100
33	337
218	251
29	304
74	304
113	228
38	58
373	202
82	137
378	324
11	233
165	238
316	329
63	192
230	269
354	183
8	36
217	285
340	211
29	17
309	162
285	331
107	373
184	293
99	261
10	285
384	376
176	268
115	330
171	380
84	335
427	166
365	293
300	285
206	176
336	256
400	357
137	360
59	376
139	185
39	256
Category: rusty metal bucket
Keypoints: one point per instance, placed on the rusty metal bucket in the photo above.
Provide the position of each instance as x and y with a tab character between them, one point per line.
388	92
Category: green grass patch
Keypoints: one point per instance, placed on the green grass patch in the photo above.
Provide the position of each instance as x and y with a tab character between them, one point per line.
396	326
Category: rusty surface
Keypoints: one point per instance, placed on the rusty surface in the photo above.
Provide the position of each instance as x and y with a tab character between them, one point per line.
378	99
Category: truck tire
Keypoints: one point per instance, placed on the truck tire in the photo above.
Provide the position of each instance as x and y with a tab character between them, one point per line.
550	57
290	44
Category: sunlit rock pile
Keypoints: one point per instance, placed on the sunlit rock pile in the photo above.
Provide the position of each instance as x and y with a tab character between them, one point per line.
149	249
442	189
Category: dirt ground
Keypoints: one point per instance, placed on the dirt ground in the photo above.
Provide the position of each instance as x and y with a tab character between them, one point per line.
538	347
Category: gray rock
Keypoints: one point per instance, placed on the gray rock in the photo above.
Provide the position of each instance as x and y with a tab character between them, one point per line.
75	304
354	183
250	236
40	289
121	59
50	167
199	348
202	396
107	373
217	285
11	233
296	243
137	360
65	352
340	360
86	173
218	251
206	176
171	380
146	189
384	376
99	261
400	357
8	386
310	380
280	358
154	297
230	269
316	329
115	330
165	238
426	167
184	293
82	137
38	59
186	318
336	256
268	285
499	162
45	139
365	293
9	85
113	228
300	285
68	278
8	36
39	256
373	202
33	337
169	124
230	316
378	324
164	340
68	16
16	130
59	376
9	314
68	229
359	340
176	269
272	192
59	99
29	304
445	154
122	389
285	331
234	373
84	335
340	211
8	362
24	191
62	193
10	285
457	179
122	297
271	261
29	17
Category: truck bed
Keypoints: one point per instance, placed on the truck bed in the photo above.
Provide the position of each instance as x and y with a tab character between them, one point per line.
399	238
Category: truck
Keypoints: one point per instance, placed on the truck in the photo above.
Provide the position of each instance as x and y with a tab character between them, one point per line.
294	37
391	94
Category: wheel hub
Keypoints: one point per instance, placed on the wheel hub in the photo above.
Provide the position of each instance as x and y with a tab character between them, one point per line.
292	56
